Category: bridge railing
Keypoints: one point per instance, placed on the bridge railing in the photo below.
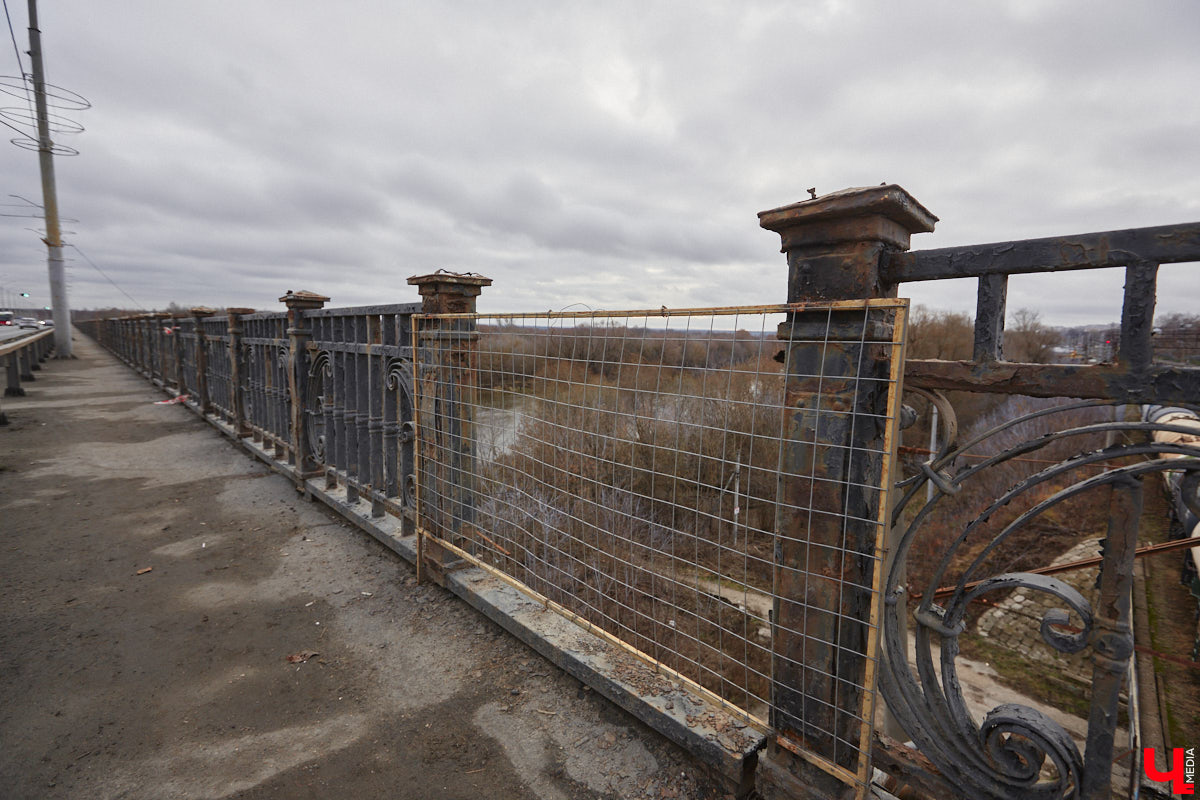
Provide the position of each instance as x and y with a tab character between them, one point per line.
23	355
741	521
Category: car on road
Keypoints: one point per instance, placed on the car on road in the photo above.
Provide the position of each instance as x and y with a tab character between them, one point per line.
26	322
7	317
46	323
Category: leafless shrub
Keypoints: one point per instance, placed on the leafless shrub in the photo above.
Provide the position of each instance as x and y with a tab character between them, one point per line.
629	482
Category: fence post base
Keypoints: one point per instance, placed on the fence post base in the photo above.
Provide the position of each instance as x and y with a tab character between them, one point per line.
775	779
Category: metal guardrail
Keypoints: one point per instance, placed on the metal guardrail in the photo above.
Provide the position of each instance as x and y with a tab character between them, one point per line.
22	356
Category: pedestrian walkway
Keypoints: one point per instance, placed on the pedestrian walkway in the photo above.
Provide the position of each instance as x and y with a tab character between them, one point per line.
177	622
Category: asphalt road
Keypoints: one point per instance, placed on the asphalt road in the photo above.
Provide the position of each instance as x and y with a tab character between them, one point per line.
11	332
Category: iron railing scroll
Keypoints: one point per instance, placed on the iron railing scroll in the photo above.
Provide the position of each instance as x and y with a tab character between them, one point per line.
1084	455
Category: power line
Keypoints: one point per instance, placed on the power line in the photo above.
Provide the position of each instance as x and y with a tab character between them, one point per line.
20	66
102	272
13	35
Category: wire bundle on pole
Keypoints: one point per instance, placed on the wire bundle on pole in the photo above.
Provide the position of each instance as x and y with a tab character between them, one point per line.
24	120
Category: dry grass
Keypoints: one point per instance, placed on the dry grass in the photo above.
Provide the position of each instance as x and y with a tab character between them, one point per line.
633	482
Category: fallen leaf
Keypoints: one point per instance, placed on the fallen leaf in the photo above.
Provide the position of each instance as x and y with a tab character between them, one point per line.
301	657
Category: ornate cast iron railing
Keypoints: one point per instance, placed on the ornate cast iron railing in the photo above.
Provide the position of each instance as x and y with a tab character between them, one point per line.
1016	750
1091	460
351	369
359	408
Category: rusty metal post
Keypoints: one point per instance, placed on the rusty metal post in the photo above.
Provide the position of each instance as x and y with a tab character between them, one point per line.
375	371
150	341
299	331
147	324
139	345
237	366
1112	635
447	354
134	343
201	313
177	354
834	246
158	360
120	338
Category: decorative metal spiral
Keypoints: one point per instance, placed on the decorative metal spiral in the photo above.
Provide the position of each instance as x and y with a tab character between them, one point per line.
1005	754
399	377
319	369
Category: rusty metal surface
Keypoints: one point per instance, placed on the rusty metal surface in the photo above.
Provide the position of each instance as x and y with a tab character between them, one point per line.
1151	384
1112	643
1136	350
819	685
992	298
824	568
1167	244
449	292
821	220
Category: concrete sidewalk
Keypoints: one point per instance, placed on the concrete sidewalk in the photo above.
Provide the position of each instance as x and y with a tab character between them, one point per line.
177	622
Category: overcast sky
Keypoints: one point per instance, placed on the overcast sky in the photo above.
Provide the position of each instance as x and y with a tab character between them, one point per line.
605	153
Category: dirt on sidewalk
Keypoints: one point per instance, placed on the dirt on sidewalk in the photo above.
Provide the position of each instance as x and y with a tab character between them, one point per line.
177	622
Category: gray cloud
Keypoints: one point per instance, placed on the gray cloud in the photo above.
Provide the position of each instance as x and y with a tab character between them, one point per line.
613	154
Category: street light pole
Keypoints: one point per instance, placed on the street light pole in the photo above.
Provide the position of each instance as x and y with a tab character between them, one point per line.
58	290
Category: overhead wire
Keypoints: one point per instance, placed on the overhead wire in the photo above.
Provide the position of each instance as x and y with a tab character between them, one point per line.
102	272
57	99
12	34
20	67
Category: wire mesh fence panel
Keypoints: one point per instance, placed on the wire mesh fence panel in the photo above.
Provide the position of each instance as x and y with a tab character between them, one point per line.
650	474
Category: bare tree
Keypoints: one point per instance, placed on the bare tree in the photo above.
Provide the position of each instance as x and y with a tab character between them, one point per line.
1029	340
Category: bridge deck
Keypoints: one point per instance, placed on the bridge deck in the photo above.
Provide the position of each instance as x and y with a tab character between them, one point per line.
156	582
